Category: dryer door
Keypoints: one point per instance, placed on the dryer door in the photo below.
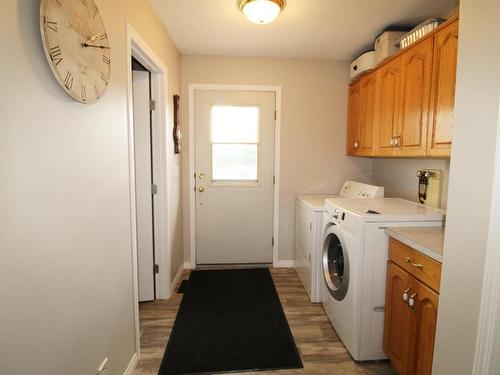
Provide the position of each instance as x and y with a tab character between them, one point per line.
335	263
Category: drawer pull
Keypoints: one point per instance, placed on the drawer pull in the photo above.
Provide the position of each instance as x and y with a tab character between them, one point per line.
410	262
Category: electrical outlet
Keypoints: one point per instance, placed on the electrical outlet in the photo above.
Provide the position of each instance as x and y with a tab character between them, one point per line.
103	368
434	188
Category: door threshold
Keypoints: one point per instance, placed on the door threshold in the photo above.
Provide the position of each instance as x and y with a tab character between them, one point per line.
232	266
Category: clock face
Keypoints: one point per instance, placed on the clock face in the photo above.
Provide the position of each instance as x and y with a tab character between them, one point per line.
77	47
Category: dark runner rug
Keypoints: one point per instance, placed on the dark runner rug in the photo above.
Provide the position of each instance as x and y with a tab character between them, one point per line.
230	320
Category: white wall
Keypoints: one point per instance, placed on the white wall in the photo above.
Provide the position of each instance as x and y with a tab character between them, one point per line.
468	231
65	238
314	120
399	178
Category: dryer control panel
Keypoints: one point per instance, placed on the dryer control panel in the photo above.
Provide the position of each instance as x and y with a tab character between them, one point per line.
353	189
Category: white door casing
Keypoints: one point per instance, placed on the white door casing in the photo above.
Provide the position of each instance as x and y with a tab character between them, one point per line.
143	181
234	218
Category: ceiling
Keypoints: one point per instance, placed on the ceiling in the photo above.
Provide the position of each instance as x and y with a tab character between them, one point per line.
318	29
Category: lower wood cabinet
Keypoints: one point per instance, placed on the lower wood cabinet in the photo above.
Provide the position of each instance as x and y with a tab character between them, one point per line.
411	313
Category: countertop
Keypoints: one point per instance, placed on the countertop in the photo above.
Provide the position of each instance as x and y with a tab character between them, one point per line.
427	240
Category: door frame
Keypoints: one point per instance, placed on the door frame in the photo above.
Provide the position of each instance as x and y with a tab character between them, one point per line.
162	160
192	161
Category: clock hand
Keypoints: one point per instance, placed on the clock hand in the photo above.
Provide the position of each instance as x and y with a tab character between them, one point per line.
92	38
94	46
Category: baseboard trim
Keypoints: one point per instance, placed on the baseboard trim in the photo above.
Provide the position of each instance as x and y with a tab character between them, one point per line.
176	279
284	264
189	266
132	365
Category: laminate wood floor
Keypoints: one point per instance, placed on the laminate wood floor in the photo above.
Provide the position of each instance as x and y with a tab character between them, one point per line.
320	348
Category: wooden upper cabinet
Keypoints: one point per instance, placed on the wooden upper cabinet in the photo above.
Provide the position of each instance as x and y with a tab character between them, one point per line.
368	108
405	107
354	119
388	103
424	328
398	319
416	88
443	90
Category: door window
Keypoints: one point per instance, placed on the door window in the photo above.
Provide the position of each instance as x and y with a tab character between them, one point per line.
235	144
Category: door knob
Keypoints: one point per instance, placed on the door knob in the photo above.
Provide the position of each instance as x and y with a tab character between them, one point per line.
201	189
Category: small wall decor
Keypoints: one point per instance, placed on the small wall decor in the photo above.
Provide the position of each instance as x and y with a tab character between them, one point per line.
177	129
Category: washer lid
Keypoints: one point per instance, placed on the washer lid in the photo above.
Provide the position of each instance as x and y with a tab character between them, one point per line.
388	209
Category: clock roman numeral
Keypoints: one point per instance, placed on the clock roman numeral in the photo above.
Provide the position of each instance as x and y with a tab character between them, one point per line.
105	59
103	77
84	93
103	36
68	80
56	55
59	2
51	24
97	92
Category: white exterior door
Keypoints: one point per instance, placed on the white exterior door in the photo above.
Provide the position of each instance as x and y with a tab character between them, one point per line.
234	144
143	180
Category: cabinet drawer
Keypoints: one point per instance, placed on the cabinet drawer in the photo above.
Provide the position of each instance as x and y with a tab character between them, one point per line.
417	264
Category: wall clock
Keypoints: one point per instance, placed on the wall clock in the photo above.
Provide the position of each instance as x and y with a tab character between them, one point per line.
77	47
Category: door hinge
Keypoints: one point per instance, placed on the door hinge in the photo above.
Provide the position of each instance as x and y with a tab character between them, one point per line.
156	268
272	241
275	115
154	189
274	179
152	105
310	227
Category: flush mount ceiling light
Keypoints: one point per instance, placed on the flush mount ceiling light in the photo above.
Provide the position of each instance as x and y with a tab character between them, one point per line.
261	11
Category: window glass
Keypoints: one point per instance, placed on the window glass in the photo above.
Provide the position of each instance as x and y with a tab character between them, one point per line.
235	124
234	162
235	140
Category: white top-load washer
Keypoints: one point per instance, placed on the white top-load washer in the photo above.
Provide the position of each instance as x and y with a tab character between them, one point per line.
354	265
308	233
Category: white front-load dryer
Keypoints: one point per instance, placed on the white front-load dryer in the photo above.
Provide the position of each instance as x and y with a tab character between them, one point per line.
340	264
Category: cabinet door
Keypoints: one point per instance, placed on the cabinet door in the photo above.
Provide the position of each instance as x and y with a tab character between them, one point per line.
424	328
368	105
353	125
443	90
398	319
416	88
389	101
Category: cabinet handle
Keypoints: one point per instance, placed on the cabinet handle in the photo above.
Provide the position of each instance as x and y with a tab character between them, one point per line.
411	263
411	301
356	144
398	141
392	142
405	294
